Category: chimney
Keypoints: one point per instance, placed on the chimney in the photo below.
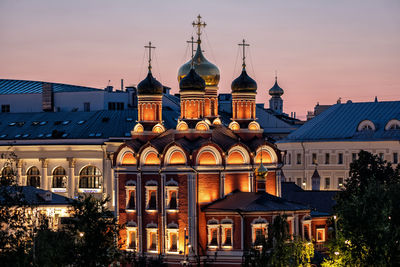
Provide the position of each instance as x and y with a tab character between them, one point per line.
122	85
47	97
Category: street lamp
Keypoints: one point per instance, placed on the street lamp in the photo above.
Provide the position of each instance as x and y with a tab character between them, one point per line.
334	219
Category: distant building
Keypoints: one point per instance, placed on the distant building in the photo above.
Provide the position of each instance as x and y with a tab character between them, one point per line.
333	139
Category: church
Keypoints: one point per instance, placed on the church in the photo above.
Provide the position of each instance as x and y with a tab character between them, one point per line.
202	192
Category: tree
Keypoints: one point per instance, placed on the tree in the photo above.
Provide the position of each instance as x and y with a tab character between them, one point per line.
95	231
368	215
278	249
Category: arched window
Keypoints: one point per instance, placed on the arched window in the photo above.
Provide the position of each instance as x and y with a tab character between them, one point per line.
128	159
33	177
366	125
7	172
90	177
207	158
152	159
393	125
177	158
235	158
59	178
266	157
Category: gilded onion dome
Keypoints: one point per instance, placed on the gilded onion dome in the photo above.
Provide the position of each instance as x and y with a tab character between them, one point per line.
149	86
208	71
192	82
276	90
244	84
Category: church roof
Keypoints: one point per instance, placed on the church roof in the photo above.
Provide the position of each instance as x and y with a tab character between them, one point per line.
8	87
340	123
320	202
253	202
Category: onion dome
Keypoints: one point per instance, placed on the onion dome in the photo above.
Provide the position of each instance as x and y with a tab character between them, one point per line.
149	86
192	82
276	90
244	84
208	71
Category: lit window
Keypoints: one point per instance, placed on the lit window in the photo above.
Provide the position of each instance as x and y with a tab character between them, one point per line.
381	156
151	196
59	178
90	177
314	158
226	227
128	159
259	231
213	233
33	177
172	236
152	239
320	235
131	198
340	182
131	240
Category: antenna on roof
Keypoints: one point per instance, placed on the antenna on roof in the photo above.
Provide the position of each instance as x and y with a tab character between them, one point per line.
376	99
108	83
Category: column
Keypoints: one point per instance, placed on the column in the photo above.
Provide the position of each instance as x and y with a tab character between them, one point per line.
71	177
221	184
19	178
191	212
251	181
163	213
108	176
44	183
139	210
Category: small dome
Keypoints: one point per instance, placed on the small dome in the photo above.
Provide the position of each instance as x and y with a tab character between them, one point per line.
208	71
149	86
244	83
276	90
192	82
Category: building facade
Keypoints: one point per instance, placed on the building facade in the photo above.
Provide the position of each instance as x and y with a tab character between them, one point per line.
332	140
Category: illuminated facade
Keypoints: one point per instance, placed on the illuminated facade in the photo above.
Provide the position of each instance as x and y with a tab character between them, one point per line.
202	192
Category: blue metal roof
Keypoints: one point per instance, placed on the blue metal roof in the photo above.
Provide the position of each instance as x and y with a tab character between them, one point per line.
100	125
340	122
8	87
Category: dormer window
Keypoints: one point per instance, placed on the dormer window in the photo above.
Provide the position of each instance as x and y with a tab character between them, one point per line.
392	125
366	125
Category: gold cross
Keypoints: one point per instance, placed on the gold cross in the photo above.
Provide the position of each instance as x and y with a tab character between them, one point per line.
244	52
149	47
192	42
199	24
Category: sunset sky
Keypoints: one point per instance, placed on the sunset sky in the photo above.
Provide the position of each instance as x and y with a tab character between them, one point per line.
322	50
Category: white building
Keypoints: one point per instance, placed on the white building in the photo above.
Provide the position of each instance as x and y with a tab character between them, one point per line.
332	140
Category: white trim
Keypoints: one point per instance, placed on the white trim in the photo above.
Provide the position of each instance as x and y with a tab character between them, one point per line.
211	150
170	152
242	151
394	122
365	125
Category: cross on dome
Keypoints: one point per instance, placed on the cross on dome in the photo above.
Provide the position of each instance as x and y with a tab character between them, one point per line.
192	42
243	44
149	47
199	24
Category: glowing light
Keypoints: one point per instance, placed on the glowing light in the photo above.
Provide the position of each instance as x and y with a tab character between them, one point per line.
177	158
254	126
207	158
235	158
158	128
234	126
266	157
128	159
182	126
138	128
202	126
152	159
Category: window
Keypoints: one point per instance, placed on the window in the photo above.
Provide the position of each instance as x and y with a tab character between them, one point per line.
33	177
5	108
304	183
340	182
259	231
314	158
151	196
327	183
90	177
152	239
132	238
298	182
290	159
86	106
172	235
320	235
340	158
115	106
59	178
395	158
213	233
172	204
298	160
353	156
131	205
306	233
226	227
7	172
327	158
381	156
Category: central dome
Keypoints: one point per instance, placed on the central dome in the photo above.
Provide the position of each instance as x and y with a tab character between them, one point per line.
208	71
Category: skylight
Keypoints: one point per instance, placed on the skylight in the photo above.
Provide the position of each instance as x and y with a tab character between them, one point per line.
3	135
43	122
25	135
65	122
91	134
48	135
64	135
12	123
18	136
40	135
98	134
80	122
129	119
127	134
